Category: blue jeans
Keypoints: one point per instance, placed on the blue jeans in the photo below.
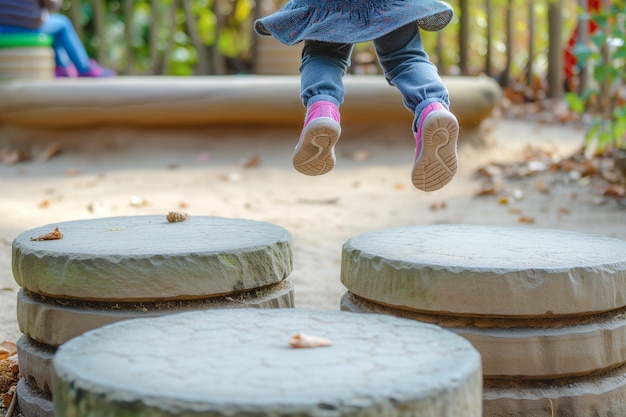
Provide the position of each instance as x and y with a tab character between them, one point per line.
67	45
402	57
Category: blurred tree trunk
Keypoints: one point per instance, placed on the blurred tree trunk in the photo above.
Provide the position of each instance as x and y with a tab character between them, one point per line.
128	35
508	22
190	20
165	61
555	49
582	39
488	34
154	36
439	51
74	15
464	35
99	11
531	42
216	57
607	102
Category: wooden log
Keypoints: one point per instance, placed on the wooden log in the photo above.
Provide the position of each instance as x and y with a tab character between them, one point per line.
197	101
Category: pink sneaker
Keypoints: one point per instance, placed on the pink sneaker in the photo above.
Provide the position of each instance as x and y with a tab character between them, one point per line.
315	152
435	148
68	71
97	70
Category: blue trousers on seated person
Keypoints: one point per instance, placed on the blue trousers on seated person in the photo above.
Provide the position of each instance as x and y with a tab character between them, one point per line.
70	55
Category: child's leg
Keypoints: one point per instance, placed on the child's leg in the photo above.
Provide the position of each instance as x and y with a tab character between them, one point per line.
323	67
322	70
406	66
66	41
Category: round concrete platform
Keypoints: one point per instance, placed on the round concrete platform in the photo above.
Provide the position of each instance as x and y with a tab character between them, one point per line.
36	364
31	401
145	258
239	363
487	270
528	350
47	321
594	395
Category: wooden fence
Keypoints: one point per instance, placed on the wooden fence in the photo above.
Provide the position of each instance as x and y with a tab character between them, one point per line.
519	42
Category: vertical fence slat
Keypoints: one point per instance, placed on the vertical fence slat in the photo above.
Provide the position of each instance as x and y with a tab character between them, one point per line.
582	39
555	49
508	22
464	35
489	35
74	15
439	52
531	43
128	35
154	36
99	12
165	61
192	27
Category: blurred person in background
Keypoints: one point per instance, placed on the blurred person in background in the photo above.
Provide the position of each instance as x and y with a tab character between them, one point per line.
37	16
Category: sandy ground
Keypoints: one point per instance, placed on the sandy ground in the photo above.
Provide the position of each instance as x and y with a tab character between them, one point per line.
247	173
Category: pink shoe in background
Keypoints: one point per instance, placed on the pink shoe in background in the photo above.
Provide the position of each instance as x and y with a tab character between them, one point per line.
68	71
96	70
315	152
435	148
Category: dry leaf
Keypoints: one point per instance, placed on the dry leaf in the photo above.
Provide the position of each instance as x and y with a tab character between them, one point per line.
44	203
49	152
253	162
9	370
362	156
72	172
302	340
49	236
7	349
541	185
438	205
13	156
526	219
137	201
399	186
486	189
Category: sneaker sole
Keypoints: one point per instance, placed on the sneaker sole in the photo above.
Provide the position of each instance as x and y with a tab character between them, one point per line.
315	152
438	163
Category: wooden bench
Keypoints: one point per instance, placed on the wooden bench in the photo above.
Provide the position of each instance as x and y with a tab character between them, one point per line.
210	100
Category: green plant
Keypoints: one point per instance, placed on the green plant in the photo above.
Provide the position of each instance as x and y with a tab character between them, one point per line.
604	56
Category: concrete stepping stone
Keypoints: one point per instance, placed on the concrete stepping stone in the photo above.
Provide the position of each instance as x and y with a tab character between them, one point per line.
31	402
485	270
146	258
517	351
593	395
36	364
106	270
238	362
53	324
539	305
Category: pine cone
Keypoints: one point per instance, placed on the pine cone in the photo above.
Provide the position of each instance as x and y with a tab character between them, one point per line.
176	216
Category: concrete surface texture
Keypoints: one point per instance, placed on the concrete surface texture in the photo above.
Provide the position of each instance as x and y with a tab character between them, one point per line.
147	258
239	363
487	270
